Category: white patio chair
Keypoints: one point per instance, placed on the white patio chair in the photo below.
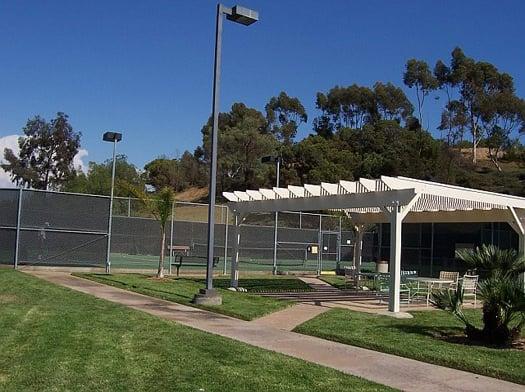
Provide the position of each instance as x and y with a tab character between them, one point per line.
351	276
469	285
449	275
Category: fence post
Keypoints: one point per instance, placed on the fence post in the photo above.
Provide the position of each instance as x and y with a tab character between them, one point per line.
339	239
275	239
18	215
380	242
225	242
431	248
129	206
234	277
320	245
170	258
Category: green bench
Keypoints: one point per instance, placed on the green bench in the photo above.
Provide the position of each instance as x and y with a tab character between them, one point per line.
192	261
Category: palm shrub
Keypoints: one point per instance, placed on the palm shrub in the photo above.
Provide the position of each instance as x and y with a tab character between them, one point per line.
502	294
160	206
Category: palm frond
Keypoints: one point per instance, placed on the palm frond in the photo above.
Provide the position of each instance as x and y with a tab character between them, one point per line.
451	301
493	259
159	205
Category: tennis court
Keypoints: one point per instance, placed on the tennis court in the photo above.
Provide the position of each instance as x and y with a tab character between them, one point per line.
47	228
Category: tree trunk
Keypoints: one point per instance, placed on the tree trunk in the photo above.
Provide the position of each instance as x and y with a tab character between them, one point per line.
494	159
160	271
475	140
474	150
494	330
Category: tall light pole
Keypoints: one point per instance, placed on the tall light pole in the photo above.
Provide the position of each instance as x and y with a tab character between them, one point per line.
245	17
113	137
277	161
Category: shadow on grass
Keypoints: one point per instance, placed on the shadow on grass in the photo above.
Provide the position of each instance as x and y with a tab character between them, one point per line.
452	335
262	285
436	331
142	289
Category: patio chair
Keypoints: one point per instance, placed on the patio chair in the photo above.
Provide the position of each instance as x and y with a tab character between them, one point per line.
469	285
383	288
406	274
351	276
450	275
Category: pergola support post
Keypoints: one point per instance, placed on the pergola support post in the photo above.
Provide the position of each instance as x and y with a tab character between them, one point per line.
234	278
396	213
522	252
358	247
517	225
396	221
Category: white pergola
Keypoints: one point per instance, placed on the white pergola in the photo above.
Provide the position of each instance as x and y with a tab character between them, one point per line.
391	200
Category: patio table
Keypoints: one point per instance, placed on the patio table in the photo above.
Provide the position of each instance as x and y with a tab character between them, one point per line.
430	284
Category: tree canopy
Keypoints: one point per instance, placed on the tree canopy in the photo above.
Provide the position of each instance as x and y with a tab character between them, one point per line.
486	104
97	180
284	115
243	141
46	153
357	131
177	174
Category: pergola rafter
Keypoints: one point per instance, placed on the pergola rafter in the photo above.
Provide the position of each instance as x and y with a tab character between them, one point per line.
387	199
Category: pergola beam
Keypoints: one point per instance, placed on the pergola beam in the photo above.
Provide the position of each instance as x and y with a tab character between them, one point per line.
459	216
319	203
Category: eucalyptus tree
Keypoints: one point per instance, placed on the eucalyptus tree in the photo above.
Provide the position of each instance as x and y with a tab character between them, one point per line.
345	107
284	115
486	102
391	102
46	153
418	75
243	141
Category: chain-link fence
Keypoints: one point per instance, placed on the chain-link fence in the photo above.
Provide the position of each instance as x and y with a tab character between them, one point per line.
52	229
9	199
42	228
302	242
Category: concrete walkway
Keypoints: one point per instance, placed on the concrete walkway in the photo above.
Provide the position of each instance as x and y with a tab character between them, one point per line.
402	373
289	318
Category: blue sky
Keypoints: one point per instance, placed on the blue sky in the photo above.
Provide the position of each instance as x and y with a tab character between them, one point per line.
145	68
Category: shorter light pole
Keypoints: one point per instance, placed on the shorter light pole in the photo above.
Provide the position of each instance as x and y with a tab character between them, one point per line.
113	137
277	161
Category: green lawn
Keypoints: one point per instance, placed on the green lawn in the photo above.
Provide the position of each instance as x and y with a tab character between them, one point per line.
423	338
55	339
181	290
335	280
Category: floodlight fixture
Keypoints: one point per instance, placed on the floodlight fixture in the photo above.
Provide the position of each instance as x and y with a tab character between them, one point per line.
270	159
112	137
242	15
